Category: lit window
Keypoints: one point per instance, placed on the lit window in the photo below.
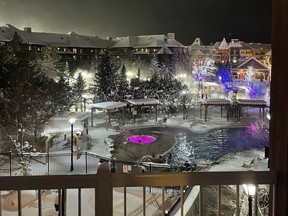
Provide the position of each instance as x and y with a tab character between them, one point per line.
74	50
65	49
91	50
74	57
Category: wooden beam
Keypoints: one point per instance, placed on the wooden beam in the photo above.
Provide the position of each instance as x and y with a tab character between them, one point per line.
278	149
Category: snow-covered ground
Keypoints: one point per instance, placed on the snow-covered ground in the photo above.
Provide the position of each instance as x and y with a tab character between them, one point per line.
231	162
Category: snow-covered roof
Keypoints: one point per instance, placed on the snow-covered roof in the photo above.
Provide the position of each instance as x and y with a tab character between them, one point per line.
251	102
259	46
109	105
147	41
165	50
215	101
144	101
70	39
61	125
252	59
197	42
212	84
224	45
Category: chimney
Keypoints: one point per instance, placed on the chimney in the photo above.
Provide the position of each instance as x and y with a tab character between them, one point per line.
28	29
171	35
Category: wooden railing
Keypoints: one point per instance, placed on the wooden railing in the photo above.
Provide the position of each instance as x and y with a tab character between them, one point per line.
103	182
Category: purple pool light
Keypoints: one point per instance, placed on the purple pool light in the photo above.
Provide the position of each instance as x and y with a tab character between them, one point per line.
141	139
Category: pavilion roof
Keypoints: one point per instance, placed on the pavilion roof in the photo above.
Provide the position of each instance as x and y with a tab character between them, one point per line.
144	101
251	102
109	105
215	101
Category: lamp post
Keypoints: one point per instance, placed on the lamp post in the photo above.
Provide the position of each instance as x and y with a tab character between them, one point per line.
72	116
250	190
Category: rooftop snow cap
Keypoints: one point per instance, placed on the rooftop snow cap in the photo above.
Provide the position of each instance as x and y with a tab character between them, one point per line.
28	29
171	35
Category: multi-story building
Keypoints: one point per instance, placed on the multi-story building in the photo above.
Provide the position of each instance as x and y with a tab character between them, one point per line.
77	49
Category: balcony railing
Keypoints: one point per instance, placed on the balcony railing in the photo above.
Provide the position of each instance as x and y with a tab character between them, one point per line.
104	184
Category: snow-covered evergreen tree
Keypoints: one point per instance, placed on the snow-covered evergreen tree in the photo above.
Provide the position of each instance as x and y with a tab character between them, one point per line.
78	90
28	97
122	85
104	79
156	67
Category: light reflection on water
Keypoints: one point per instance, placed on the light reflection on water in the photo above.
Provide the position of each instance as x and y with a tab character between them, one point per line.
209	146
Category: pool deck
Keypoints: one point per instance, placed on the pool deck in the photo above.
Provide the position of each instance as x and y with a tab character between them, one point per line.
193	123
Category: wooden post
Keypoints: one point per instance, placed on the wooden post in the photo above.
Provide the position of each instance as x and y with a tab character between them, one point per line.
278	149
123	115
109	116
206	108
92	117
104	191
156	110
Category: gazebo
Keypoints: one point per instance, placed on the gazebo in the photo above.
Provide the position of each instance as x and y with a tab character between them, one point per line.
59	125
214	102
261	104
144	102
109	106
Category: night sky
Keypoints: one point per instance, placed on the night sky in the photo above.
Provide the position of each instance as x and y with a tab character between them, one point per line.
211	20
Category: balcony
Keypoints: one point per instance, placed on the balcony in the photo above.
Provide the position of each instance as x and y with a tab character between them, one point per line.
152	189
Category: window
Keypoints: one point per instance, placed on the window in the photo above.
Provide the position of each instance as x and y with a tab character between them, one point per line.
74	50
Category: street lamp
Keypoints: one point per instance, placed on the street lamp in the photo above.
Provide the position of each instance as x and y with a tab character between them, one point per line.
250	190
72	116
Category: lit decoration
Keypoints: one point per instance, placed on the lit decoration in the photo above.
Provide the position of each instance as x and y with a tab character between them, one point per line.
202	71
141	139
255	89
259	130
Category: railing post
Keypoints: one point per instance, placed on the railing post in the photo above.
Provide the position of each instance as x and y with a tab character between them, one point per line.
10	162
103	191
113	169
86	162
48	160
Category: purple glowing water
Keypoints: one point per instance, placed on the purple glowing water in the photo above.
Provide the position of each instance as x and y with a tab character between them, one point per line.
141	139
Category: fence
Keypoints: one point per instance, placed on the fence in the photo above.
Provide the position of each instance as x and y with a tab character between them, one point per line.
59	164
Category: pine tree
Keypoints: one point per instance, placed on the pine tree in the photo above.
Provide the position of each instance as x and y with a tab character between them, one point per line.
78	90
27	96
122	86
104	79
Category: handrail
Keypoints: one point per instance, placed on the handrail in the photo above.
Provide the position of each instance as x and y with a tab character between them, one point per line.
141	179
103	182
196	178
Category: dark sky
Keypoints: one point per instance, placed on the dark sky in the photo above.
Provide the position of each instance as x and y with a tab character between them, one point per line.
211	20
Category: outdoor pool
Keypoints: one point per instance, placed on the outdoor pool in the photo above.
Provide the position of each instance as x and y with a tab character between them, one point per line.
212	145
